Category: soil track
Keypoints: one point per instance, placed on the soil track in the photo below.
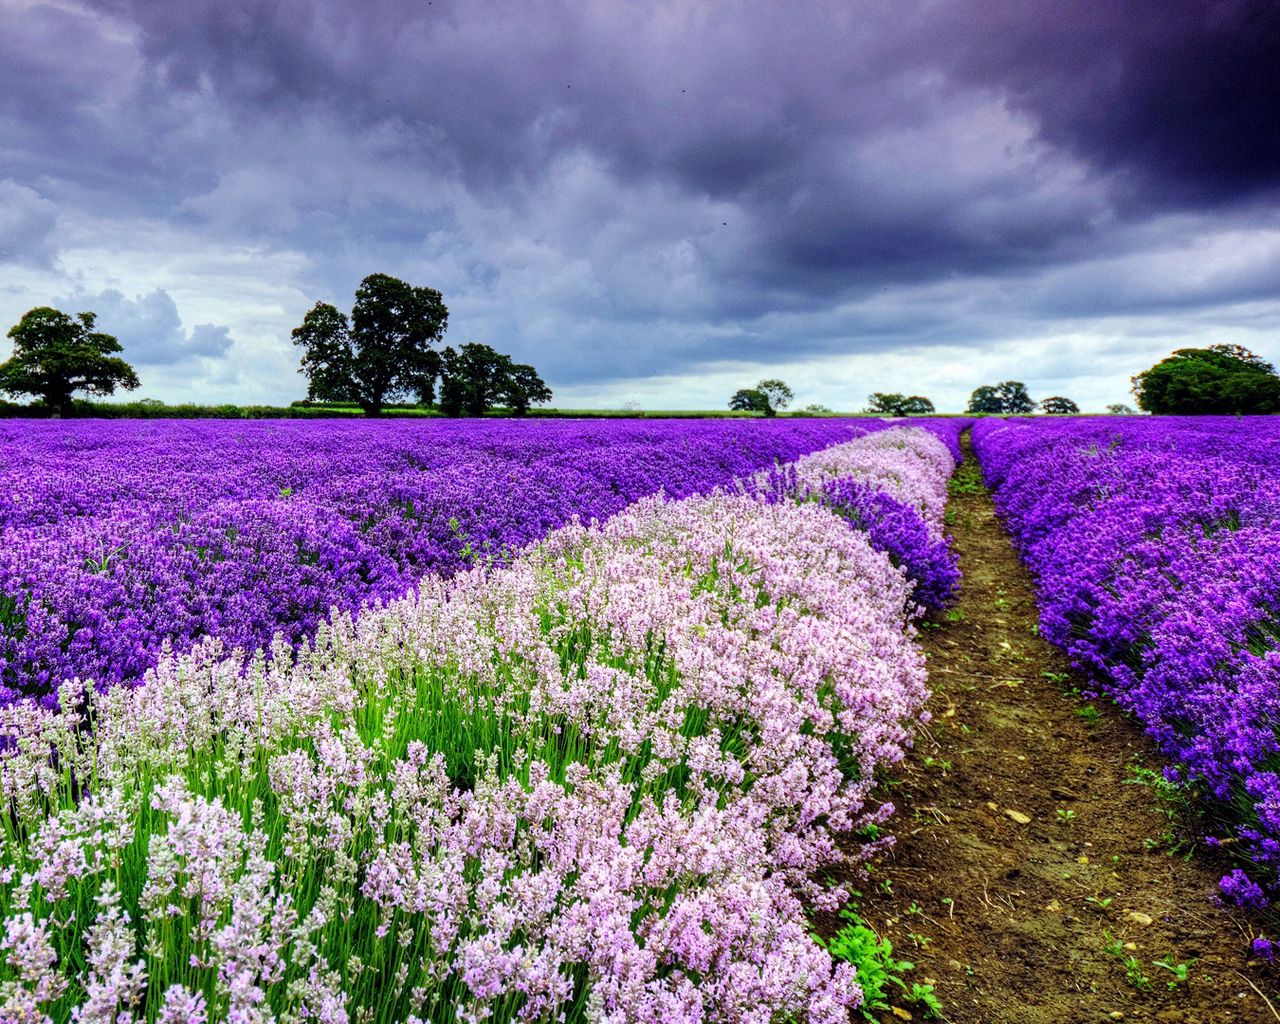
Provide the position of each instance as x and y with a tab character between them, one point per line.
1025	848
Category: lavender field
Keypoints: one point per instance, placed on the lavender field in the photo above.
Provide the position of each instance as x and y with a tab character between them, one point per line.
122	536
598	721
1156	545
392	722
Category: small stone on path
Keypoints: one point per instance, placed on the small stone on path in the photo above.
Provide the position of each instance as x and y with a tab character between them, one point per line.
1017	816
1138	917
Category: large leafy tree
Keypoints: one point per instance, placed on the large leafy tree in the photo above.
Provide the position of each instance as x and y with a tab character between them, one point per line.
985	401
1059	406
523	388
776	393
1013	395
1220	379
383	353
748	400
1008	398
474	378
767	397
891	403
55	355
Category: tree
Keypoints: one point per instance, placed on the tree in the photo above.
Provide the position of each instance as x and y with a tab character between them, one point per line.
1117	409
767	397
1008	398
327	359
524	388
894	404
56	355
1059	406
1218	380
475	377
1013	393
382	353
777	395
985	401
470	379
749	400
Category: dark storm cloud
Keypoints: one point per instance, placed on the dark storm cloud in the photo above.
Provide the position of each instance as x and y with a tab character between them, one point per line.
614	189
80	116
1181	95
808	120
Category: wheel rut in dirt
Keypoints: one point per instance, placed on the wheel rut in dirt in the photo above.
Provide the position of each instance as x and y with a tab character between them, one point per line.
1036	878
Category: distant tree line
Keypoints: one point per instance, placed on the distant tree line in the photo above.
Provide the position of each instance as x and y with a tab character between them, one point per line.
1010	398
1218	380
384	352
891	403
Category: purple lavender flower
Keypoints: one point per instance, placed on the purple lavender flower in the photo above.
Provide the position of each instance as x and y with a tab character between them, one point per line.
121	536
1242	890
1156	547
901	532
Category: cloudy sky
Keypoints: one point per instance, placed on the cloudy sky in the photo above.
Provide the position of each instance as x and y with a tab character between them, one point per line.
654	202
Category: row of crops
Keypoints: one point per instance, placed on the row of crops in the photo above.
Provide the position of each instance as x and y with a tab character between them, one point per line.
595	778
1156	545
120	536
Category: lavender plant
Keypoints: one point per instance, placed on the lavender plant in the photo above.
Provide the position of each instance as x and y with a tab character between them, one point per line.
1156	546
118	536
893	486
594	784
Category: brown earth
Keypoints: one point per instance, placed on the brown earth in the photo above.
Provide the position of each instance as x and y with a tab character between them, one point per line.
1024	846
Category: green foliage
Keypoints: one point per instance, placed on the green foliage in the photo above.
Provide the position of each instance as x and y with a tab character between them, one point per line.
967	479
881	403
474	378
1114	948
1218	380
56	355
1119	409
877	968
1056	405
776	393
382	353
523	387
985	401
1174	802
748	400
1008	398
1181	972
767	397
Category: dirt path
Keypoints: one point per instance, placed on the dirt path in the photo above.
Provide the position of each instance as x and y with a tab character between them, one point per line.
1025	849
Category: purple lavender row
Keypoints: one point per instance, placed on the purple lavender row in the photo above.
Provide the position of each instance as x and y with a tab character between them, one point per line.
1156	546
891	486
119	537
